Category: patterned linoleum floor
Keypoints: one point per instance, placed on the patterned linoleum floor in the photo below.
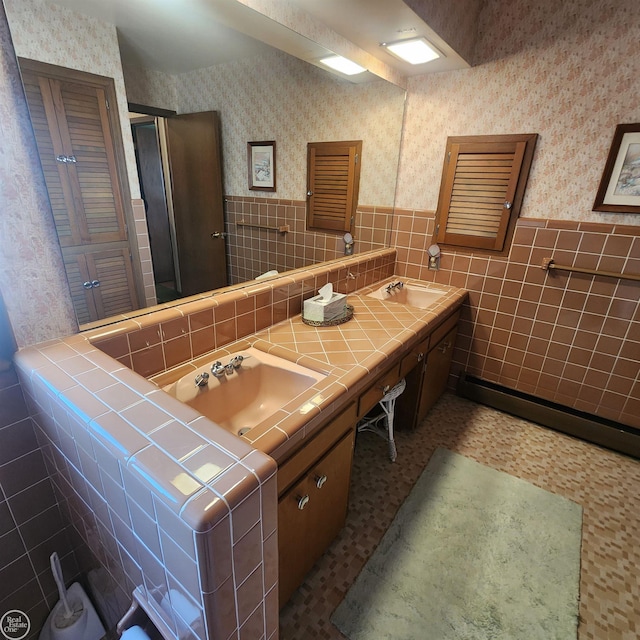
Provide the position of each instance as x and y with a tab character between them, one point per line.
606	484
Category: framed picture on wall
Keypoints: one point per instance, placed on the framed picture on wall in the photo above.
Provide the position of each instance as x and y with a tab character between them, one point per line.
619	190
261	158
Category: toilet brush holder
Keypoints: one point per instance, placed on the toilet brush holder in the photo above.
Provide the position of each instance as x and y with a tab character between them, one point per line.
73	617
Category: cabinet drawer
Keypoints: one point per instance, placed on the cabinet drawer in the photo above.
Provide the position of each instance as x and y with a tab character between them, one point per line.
414	357
441	331
376	391
315	448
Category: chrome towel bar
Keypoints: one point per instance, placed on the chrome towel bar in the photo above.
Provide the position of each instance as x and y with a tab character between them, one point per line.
548	265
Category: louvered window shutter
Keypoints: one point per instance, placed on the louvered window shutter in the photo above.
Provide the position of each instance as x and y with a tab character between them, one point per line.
333	170
482	188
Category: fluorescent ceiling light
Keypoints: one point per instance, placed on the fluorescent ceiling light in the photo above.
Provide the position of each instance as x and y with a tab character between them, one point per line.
414	51
342	65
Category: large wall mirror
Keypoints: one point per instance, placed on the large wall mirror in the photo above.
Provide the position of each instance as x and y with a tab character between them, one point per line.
256	92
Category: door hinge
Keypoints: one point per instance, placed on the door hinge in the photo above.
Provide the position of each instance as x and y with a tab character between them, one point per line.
437	229
106	101
448	156
357	158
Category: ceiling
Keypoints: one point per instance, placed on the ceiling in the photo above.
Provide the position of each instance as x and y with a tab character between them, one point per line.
175	36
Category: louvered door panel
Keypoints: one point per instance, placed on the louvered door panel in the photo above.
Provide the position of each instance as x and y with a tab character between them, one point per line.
115	293
83	300
86	131
333	178
483	185
55	173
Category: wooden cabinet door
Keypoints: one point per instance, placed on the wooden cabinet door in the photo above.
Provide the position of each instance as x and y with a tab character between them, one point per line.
77	131
305	533
101	283
436	373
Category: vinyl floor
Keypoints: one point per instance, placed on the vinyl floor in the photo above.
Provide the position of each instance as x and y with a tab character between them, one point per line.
606	484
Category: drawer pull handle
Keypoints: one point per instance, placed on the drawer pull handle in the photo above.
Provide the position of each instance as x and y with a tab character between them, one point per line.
443	348
302	501
320	480
420	356
385	389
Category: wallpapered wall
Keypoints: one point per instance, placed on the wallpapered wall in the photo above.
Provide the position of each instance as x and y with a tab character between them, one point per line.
32	277
50	33
566	70
278	97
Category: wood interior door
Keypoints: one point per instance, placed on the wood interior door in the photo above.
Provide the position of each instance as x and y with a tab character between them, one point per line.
195	161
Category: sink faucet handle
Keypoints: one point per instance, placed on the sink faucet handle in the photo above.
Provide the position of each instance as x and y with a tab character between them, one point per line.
217	369
236	361
202	379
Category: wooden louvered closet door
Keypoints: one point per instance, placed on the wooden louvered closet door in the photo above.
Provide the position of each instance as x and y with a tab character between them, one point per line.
76	144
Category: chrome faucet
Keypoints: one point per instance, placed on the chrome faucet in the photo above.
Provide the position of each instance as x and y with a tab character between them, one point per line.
394	285
202	379
219	370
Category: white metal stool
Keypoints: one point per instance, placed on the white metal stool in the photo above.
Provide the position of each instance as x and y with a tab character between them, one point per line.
388	403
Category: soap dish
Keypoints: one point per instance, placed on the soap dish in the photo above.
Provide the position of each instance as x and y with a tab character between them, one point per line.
345	317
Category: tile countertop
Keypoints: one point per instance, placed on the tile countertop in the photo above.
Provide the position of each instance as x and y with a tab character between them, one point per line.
351	354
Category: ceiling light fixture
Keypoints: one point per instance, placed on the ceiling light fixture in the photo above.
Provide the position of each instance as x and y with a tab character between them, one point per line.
338	63
413	50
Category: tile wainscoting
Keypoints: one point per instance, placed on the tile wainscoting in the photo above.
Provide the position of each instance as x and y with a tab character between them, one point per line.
564	337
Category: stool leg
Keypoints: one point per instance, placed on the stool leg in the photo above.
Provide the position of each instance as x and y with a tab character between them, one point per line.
393	452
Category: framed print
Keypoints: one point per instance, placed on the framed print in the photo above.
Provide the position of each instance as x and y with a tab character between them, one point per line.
619	190
261	158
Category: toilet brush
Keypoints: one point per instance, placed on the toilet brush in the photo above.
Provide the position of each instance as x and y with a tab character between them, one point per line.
68	614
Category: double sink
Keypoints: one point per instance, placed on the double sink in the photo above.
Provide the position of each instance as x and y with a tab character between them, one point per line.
238	398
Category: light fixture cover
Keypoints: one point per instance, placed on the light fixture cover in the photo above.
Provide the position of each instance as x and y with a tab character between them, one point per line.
414	50
338	63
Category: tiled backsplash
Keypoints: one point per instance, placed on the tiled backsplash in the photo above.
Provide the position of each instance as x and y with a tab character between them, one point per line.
151	344
254	251
568	338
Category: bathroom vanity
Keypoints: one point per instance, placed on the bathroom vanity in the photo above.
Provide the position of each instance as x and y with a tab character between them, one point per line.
183	510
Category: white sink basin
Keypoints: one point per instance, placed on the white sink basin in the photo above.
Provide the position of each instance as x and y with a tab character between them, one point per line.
240	400
414	295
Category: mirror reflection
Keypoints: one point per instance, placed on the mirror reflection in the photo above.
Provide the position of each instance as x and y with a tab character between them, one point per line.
262	94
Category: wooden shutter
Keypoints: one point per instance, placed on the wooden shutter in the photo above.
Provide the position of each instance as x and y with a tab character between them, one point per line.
482	188
333	176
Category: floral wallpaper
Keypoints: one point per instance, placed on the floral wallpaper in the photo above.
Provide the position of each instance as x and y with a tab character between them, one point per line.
32	278
50	33
278	97
565	70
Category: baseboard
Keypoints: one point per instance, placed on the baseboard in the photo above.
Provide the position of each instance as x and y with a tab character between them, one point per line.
605	433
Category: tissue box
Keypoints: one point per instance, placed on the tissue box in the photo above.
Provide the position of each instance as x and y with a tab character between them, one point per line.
320	310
